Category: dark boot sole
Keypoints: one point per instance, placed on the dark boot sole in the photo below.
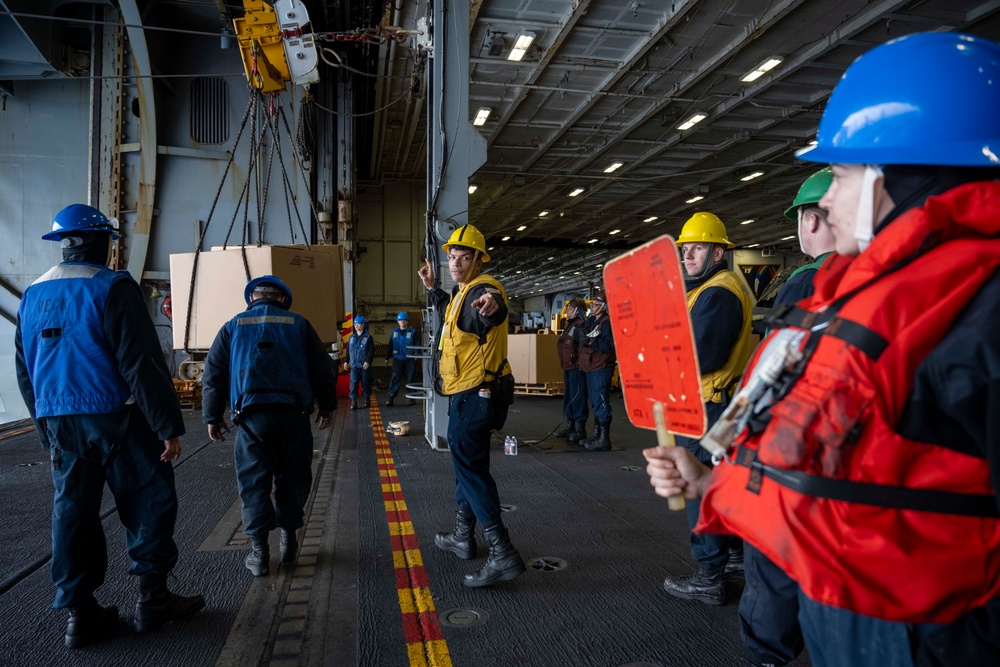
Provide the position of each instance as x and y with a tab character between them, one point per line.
464	554
504	575
152	625
705	598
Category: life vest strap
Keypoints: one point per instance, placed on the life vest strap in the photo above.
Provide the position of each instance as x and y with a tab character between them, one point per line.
857	335
865	493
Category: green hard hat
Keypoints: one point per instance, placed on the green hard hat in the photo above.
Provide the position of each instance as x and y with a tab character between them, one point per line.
811	191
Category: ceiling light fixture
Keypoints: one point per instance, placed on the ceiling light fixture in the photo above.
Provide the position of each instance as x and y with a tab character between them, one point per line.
550	259
747	222
750	177
650	218
521	45
787	238
473	188
614	231
543	214
696	118
592	241
522	228
506	238
576	192
753	245
481	116
693	199
613	167
762	69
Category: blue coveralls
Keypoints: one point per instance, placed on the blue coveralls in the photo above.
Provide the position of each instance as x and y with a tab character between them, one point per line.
574	380
599	380
361	351
91	372
398	342
269	364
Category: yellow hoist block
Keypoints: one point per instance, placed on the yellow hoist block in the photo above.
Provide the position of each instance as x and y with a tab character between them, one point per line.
259	35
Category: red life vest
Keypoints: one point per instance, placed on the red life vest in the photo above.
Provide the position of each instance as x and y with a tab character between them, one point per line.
834	429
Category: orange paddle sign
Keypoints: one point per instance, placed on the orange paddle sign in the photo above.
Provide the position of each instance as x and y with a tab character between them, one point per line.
653	339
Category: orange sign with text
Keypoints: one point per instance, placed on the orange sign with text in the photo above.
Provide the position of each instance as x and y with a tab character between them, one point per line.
653	338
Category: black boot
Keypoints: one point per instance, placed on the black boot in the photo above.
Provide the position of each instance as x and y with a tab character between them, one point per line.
89	622
569	430
580	434
462	542
589	442
288	545
503	564
602	439
388	402
258	561
354	404
157	606
367	403
705	585
734	566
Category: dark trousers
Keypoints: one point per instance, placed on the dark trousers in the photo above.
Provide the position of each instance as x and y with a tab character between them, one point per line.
711	551
273	449
364	375
598	390
469	419
143	488
399	367
575	395
769	609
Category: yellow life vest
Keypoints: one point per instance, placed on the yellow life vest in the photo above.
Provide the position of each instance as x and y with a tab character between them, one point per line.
715	384
464	362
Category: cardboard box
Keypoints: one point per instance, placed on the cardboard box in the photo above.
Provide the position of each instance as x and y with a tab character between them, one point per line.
533	358
314	276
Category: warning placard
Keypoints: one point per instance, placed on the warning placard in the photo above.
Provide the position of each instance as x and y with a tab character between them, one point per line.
653	338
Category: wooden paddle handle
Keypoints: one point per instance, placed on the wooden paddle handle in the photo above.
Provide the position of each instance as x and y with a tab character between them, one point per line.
665	438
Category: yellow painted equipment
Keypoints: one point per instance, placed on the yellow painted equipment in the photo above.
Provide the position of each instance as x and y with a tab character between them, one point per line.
273	46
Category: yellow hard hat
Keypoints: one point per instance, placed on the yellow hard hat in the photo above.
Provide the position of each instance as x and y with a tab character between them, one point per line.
704	228
469	237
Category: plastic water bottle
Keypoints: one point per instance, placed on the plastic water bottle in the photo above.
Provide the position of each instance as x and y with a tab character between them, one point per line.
510	446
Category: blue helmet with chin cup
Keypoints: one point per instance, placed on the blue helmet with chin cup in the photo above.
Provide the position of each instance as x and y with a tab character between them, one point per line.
402	316
269	280
927	98
80	218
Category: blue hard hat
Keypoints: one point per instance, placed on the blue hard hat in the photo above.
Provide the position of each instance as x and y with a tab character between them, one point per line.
360	320
270	280
927	98
402	316
80	218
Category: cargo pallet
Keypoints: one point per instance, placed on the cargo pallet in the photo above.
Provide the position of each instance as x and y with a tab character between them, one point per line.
543	389
188	393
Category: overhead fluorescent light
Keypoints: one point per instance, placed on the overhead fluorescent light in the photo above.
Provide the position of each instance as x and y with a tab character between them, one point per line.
522	228
550	259
750	177
694	199
747	222
490	248
650	218
506	238
613	166
762	69
521	45
614	231
576	273
753	245
692	121
576	192
788	238
473	188
543	214
481	116
517	272
592	241
598	266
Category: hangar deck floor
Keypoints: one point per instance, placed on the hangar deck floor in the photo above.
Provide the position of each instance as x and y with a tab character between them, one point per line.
370	588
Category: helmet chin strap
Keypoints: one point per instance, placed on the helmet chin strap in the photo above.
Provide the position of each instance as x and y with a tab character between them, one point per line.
864	229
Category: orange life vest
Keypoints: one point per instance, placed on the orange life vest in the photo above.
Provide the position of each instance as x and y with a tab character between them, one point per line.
826	488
